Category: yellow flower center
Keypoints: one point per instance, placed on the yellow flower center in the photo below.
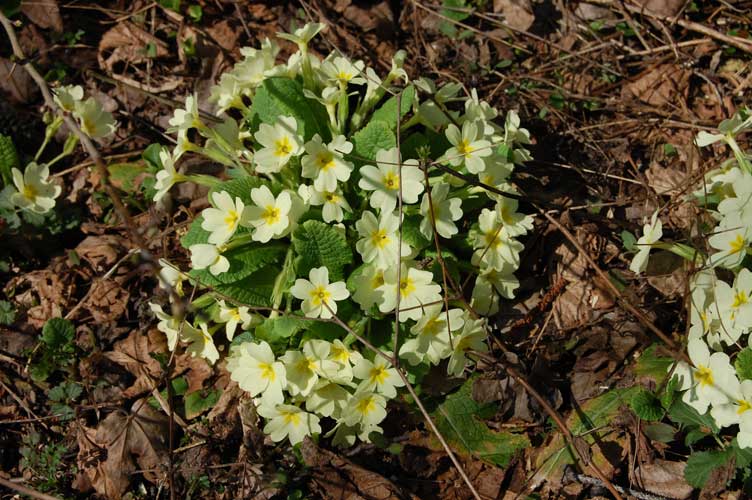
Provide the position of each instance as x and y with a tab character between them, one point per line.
380	239
432	327
29	191
344	76
737	244
271	215
365	406
282	147
231	219
325	161
464	148
378	374
704	375
377	281
407	286
740	299
340	354
331	197
291	418
267	372
391	181
492	239
320	295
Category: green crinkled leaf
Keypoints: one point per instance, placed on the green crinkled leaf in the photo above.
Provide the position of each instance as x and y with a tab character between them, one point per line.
253	290
681	413
387	113
58	334
238	188
273	330
151	156
458	420
198	402
195	235
591	415
651	364
281	96
647	406
8	159
743	364
318	244
702	464
244	260
411	233
7	313
371	138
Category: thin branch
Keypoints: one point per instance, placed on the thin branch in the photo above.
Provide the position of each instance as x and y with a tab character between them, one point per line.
24	490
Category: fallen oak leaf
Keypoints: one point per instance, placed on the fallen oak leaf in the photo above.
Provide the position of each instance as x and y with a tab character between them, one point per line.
134	353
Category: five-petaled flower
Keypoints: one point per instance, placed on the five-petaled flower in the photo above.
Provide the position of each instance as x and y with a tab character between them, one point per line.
318	295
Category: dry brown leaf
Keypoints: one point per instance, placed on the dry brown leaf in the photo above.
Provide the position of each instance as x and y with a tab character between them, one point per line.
101	252
518	14
43	13
663	85
106	300
336	477
128	43
133	441
15	82
662	7
225	34
664	478
44	293
134	354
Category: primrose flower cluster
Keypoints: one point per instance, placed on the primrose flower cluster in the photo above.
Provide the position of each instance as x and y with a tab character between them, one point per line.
720	307
325	218
32	189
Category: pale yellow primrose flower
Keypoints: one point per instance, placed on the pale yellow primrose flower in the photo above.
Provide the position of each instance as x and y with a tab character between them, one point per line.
170	277
367	287
706	381
377	375
318	295
445	212
168	176
302	36
200	342
738	404
222	222
327	399
334	202
416	288
67	96
325	163
495	248
468	147
35	191
472	337
651	233
168	325
280	143
431	341
233	316
206	255
270	216
733	306
95	121
491	283
364	408
305	367
343	71
289	421
384	180
187	117
731	239
379	239
255	369
345	358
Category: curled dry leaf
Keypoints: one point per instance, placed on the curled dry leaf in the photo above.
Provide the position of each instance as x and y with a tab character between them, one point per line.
336	477
128	43
663	85
664	478
15	82
43	13
106	300
101	252
122	444
135	355
44	293
518	14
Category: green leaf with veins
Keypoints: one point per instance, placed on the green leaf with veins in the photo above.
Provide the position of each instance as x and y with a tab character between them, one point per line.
387	113
458	419
319	244
370	139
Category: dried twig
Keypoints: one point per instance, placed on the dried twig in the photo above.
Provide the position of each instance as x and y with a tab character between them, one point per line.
25	490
